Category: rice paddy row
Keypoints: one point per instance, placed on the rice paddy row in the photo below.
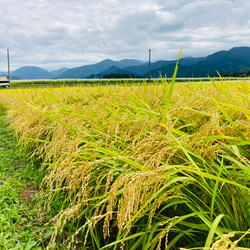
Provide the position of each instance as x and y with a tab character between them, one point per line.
141	167
103	82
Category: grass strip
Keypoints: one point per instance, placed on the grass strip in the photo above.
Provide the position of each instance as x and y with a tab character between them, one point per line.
20	225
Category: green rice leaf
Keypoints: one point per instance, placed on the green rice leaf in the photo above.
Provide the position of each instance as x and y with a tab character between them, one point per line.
170	91
214	229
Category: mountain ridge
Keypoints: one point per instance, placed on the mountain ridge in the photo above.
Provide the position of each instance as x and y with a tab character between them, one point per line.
31	72
236	59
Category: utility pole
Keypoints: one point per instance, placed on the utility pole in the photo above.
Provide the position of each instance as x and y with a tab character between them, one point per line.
8	58
149	66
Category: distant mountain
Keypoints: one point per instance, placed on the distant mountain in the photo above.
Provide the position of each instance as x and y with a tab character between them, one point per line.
3	73
94	69
162	66
234	60
168	71
31	72
243	52
186	61
58	73
138	70
111	70
128	62
86	70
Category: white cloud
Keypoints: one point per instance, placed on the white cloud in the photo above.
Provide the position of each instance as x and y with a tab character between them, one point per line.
55	33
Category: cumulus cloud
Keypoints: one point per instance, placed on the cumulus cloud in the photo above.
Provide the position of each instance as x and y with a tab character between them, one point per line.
56	33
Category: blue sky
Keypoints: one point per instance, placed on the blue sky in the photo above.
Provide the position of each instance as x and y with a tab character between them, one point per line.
60	33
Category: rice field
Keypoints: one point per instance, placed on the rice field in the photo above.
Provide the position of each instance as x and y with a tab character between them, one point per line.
102	81
149	166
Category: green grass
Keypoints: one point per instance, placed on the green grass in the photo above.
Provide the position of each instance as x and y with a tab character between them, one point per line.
20	227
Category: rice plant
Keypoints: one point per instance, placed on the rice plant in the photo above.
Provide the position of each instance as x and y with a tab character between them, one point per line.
159	166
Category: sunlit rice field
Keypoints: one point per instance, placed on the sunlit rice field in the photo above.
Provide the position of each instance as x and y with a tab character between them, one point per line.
150	166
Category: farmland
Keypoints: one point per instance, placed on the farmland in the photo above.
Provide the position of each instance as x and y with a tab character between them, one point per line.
103	82
146	166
